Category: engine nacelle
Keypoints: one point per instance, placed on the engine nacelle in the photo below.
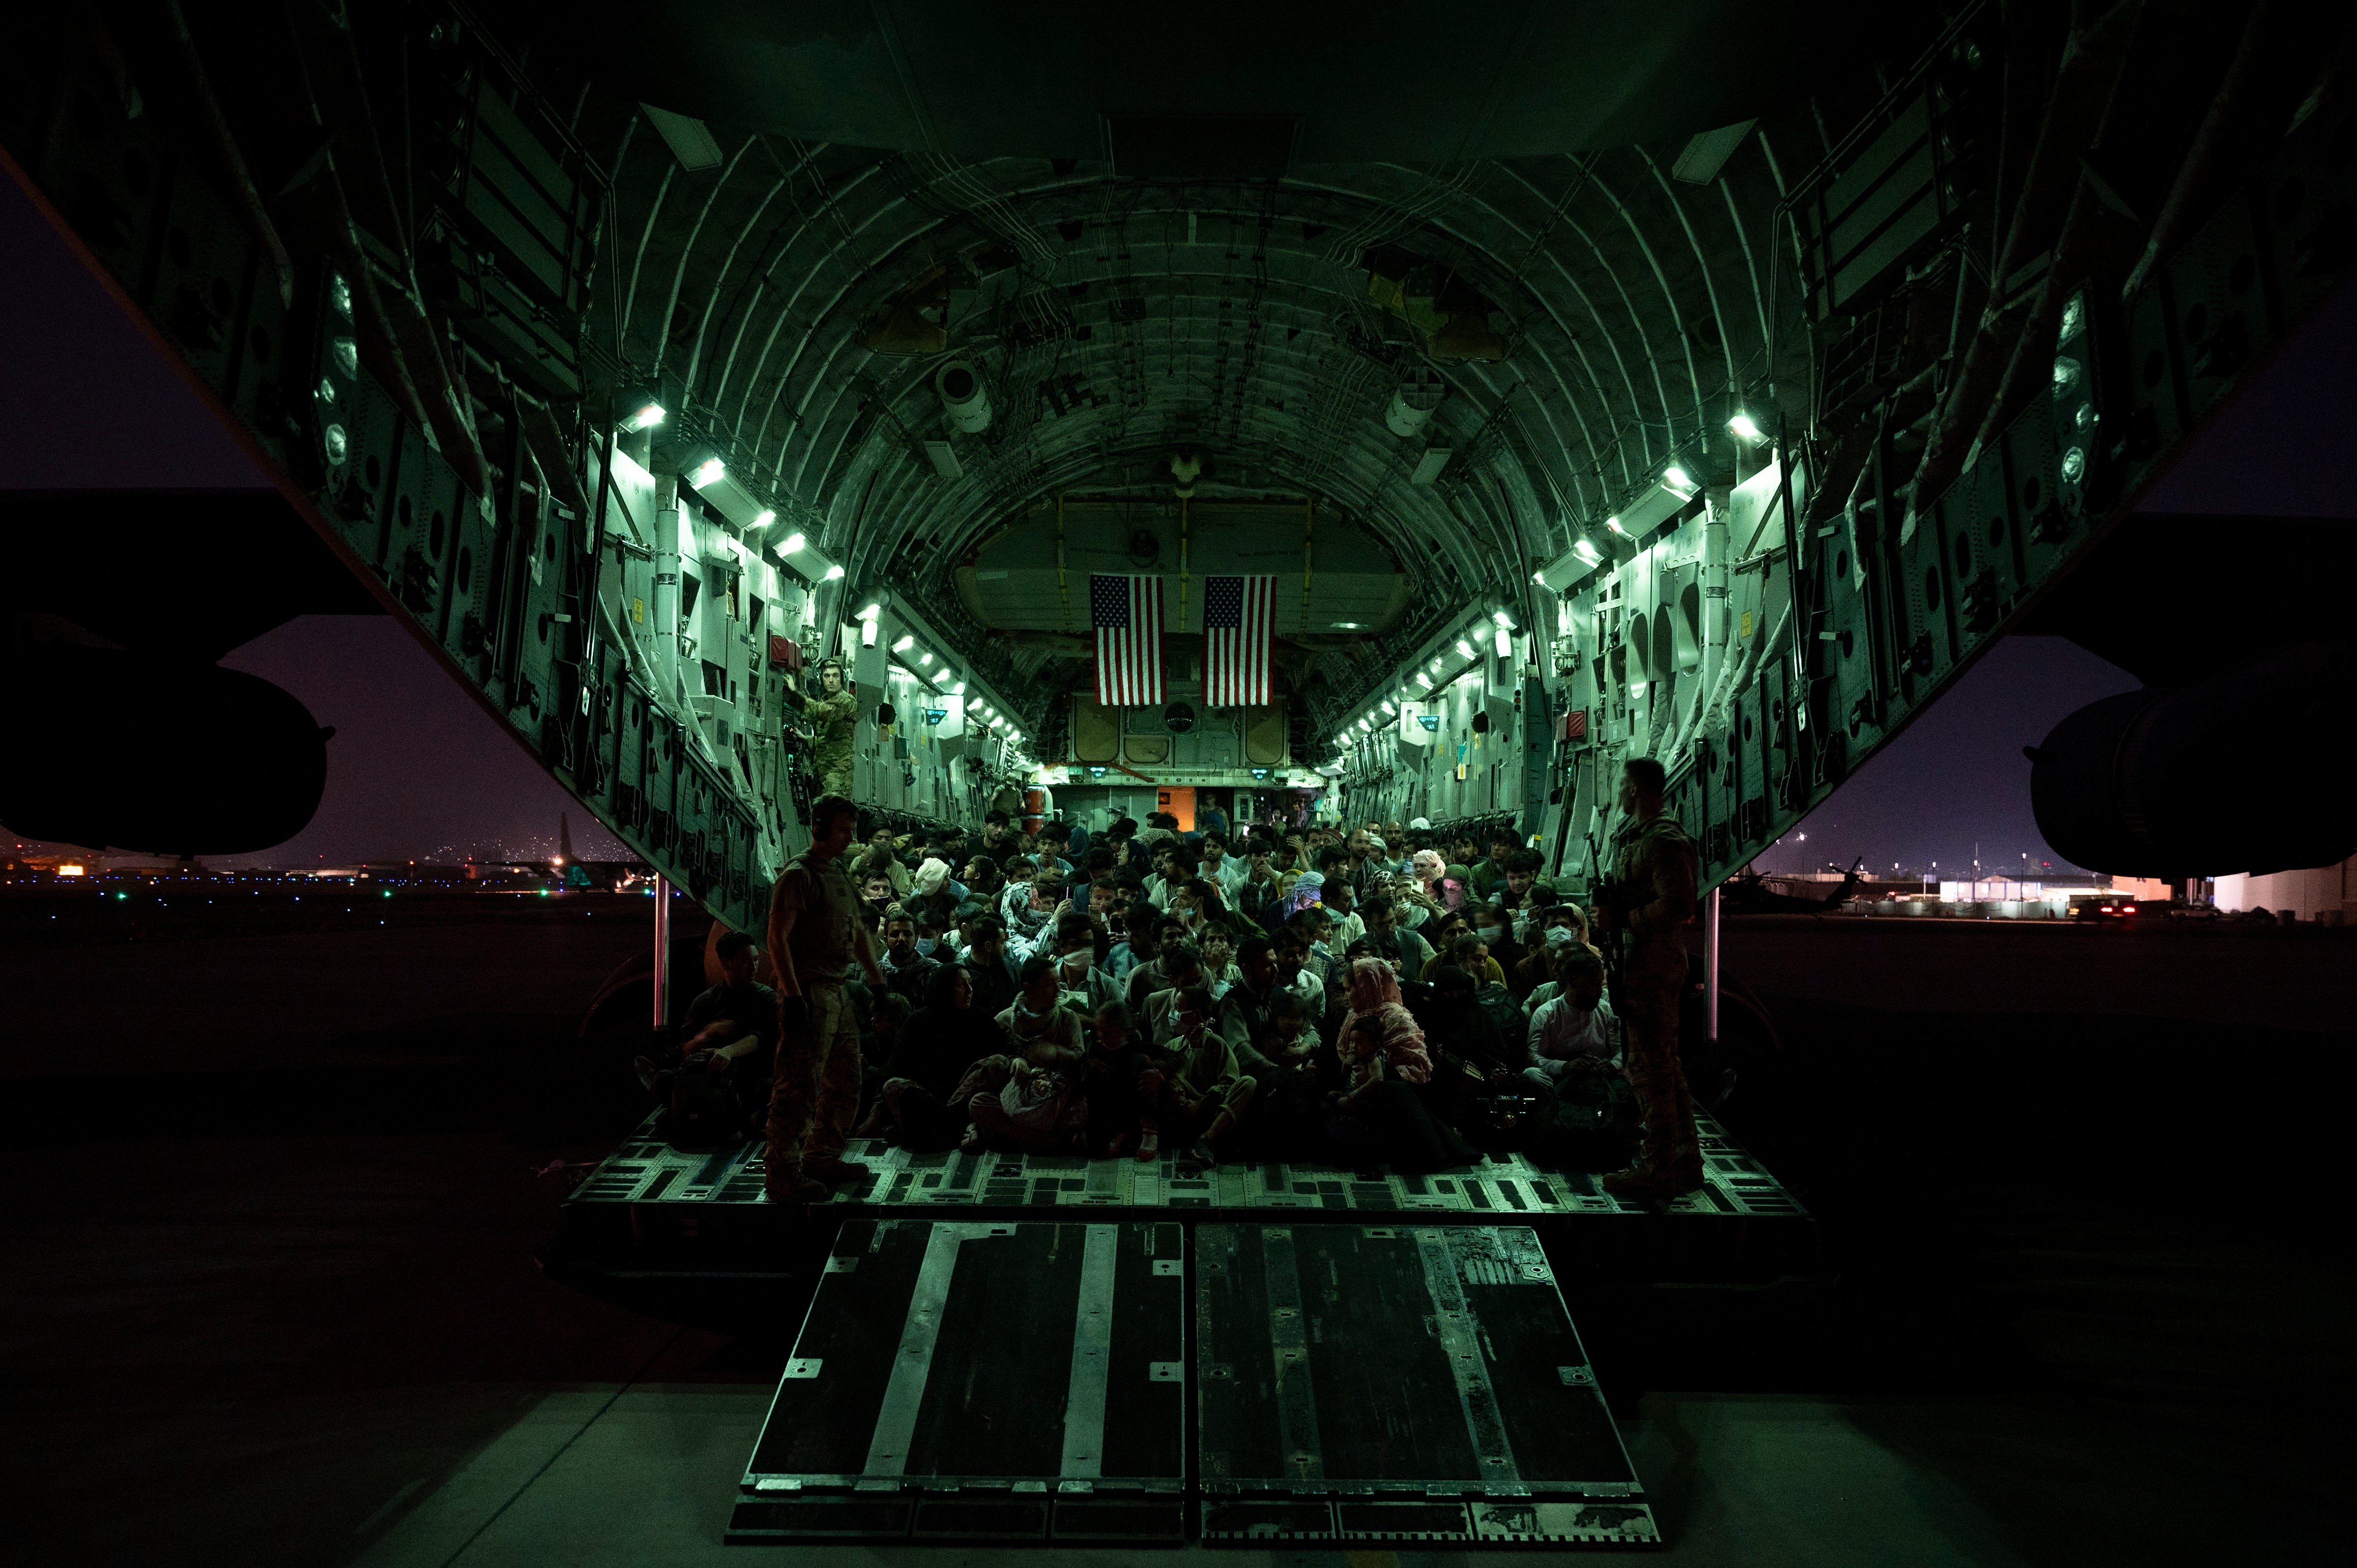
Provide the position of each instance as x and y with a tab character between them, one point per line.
2248	772
112	750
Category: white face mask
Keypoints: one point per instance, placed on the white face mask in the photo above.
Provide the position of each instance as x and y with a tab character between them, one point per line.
925	946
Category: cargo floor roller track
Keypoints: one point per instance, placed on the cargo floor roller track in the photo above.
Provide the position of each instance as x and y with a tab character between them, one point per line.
966	1380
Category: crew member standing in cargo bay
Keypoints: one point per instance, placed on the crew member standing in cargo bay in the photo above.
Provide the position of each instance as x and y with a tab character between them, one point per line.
814	932
1651	896
831	717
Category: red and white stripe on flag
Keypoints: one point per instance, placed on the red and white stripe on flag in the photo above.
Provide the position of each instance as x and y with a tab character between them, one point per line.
1239	634
1128	614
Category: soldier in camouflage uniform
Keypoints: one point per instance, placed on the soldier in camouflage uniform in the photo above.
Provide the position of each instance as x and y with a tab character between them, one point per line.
814	933
1654	869
830	715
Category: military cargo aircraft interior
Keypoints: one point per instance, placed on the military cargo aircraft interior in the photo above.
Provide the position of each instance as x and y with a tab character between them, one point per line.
1190	627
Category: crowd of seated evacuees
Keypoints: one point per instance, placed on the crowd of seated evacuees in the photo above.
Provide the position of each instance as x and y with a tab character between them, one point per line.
1362	999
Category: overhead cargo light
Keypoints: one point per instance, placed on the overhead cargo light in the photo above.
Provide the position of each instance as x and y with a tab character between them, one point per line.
690	141
1502	619
1390	712
765	516
834	573
1428	467
869	612
1675	477
946	460
1464	649
1436	663
794	541
924	659
645	416
907	643
958	689
1559	575
708	472
1707	153
1745	429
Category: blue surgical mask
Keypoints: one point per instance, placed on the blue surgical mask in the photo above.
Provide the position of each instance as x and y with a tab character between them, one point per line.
925	946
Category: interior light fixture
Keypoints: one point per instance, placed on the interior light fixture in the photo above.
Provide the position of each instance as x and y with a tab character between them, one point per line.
765	516
1436	663
924	659
1423	680
869	612
1614	525
868	634
958	689
646	417
1587	551
1464	649
1745	429
1390	712
1505	643
834	573
1676	478
706	472
908	640
794	541
1502	619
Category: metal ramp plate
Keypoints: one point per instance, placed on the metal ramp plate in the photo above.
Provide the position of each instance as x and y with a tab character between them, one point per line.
1399	1384
965	1381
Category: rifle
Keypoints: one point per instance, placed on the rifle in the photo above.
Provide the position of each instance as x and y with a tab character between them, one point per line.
1605	899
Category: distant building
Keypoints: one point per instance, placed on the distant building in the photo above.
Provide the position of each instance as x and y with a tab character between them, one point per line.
2326	890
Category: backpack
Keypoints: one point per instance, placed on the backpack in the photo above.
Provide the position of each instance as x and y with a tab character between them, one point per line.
1588	1122
702	1112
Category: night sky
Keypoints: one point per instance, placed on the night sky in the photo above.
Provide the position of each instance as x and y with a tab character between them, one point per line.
417	769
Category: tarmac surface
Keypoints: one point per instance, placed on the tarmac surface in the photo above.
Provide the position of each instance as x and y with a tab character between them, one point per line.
272	1295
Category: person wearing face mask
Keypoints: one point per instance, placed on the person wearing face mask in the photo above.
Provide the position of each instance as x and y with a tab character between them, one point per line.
907	972
1497	933
1081	986
929	943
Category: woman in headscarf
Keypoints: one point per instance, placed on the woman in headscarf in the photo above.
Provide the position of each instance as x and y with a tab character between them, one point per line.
935	894
1379	1115
1427	893
1302	895
934	1050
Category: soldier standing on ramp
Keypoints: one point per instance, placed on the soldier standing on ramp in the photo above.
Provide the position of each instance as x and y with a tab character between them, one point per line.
814	932
1654	869
831	717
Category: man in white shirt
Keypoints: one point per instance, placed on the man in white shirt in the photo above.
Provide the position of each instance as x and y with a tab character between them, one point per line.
1573	1031
1219	867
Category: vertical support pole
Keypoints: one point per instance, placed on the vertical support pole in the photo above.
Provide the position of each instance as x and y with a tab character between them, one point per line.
1710	963
662	949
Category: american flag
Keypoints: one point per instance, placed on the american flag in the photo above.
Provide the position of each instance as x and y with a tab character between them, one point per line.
1239	617
1127	614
